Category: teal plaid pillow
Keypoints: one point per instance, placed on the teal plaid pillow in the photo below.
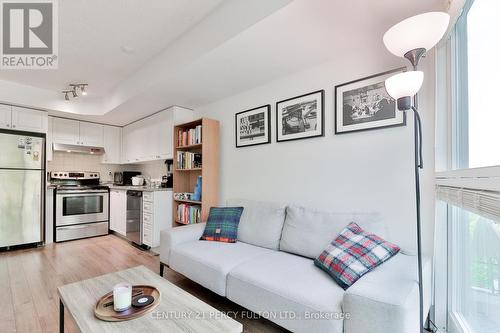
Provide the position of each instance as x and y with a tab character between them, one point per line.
222	224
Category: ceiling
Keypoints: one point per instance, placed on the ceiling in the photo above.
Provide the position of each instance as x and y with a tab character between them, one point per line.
104	42
194	52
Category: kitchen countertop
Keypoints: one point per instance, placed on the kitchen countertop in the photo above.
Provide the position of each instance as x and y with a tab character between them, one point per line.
136	188
124	188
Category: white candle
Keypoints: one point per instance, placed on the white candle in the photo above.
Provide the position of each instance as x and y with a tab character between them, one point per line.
122	296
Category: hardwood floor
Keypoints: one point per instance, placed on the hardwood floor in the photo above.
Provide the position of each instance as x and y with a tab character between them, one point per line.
29	280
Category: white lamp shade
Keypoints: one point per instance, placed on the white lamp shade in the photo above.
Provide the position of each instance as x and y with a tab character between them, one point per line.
404	84
420	31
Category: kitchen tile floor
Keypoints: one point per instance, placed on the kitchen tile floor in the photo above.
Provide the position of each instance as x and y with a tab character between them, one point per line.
29	280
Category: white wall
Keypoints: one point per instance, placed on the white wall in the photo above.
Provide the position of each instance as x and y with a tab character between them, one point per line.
366	171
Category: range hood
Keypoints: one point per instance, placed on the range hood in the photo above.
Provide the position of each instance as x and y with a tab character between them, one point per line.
78	149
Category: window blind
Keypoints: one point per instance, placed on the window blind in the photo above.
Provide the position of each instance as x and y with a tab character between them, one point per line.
481	202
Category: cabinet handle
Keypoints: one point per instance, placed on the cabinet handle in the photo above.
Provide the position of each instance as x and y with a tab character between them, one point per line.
8	125
13	126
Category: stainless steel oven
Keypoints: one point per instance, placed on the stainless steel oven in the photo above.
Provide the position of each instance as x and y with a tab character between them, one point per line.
81	206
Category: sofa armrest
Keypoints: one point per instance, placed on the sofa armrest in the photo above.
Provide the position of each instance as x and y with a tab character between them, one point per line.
172	237
386	299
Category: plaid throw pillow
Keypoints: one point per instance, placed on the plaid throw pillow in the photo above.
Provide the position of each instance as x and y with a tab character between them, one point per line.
354	253
222	224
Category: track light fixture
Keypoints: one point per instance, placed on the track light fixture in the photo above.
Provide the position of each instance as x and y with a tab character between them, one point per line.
73	90
83	88
74	87
66	94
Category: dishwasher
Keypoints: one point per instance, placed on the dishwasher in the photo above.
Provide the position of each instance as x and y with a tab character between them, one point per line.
134	217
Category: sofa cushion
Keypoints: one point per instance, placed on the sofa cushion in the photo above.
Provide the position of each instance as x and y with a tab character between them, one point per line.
288	290
222	224
261	222
387	297
208	263
353	253
307	232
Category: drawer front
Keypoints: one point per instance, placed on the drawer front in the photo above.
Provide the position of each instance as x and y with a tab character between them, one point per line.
148	219
147	196
147	207
147	236
81	231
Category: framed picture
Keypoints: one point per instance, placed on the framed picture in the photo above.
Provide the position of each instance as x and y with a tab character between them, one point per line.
300	117
253	127
364	104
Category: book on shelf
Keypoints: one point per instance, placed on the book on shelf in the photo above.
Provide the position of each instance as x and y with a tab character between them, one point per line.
189	137
188	214
188	160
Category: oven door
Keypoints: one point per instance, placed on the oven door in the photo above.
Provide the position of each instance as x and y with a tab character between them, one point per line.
81	206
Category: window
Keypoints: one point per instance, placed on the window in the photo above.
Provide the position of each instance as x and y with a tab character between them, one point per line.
478	24
467	294
475	254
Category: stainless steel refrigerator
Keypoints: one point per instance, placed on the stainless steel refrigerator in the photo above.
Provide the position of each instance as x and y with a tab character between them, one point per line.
22	175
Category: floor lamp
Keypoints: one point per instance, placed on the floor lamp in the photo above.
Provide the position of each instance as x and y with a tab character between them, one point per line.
411	39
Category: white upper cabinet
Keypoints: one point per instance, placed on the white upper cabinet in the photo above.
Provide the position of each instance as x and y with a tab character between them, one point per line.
5	116
22	119
112	145
29	120
76	132
66	131
49	153
91	134
151	138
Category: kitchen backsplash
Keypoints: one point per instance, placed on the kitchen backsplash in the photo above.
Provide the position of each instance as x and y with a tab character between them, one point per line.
153	169
82	162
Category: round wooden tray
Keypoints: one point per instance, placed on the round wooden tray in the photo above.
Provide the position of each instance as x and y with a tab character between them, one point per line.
104	307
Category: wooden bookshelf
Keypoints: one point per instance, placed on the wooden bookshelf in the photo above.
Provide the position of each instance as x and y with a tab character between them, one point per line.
185	179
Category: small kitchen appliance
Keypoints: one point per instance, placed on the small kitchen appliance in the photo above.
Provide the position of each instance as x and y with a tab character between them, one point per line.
127	177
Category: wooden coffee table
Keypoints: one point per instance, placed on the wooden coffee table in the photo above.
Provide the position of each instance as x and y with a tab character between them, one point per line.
178	311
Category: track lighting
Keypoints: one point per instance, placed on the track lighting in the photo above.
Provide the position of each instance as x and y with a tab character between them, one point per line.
83	89
74	87
73	90
66	92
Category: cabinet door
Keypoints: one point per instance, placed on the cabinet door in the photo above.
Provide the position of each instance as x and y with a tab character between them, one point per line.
91	134
66	131
163	129
5	116
130	145
114	210
112	145
118	211
147	129
29	120
48	142
136	140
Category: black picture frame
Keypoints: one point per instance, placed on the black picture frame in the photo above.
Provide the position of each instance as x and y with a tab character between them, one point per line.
339	114
321	117
267	114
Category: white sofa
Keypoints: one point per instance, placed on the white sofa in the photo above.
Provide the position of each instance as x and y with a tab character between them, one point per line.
270	271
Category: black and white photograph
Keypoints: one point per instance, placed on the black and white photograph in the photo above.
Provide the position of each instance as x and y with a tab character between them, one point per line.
253	126
300	117
364	104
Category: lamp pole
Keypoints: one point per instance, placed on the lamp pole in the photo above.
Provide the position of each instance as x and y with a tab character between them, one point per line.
414	57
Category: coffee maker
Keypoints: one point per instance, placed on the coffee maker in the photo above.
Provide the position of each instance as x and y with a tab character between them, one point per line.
167	181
